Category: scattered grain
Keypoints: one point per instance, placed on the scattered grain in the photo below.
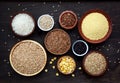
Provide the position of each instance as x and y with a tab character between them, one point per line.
46	70
53	67
79	68
57	74
118	50
73	75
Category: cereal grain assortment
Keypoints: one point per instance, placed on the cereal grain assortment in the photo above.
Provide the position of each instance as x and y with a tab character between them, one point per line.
29	57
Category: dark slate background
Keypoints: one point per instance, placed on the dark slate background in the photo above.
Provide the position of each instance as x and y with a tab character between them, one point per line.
111	47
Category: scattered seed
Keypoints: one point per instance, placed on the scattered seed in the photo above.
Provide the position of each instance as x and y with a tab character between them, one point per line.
55	58
2	30
5	43
79	68
118	58
60	2
8	50
109	45
11	16
53	6
46	70
8	8
119	42
58	5
57	74
108	69
9	74
19	4
44	3
18	39
50	62
73	75
107	57
52	59
55	10
8	62
78	2
99	49
13	36
118	51
8	35
53	67
25	8
5	60
109	61
107	49
114	61
119	62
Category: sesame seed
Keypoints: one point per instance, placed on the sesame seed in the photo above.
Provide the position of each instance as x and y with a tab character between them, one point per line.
8	62
8	35
109	45
118	58
5	43
2	30
107	49
8	50
53	6
114	61
8	8
119	42
110	61
19	4
78	2
118	51
11	16
13	36
44	3
58	5
4	60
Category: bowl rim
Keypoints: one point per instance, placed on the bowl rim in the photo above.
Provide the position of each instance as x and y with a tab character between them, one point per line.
109	30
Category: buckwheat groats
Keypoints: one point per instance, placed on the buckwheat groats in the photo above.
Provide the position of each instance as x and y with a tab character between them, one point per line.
66	65
28	58
94	63
95	26
57	42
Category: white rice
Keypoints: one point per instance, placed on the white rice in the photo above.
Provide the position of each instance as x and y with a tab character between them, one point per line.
23	24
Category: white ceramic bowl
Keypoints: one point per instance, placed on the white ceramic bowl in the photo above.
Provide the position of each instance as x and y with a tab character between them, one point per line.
44	29
85	50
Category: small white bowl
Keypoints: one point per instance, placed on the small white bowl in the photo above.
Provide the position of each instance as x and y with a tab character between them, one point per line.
45	29
85	50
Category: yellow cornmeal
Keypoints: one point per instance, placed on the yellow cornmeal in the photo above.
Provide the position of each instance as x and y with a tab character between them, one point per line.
95	26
